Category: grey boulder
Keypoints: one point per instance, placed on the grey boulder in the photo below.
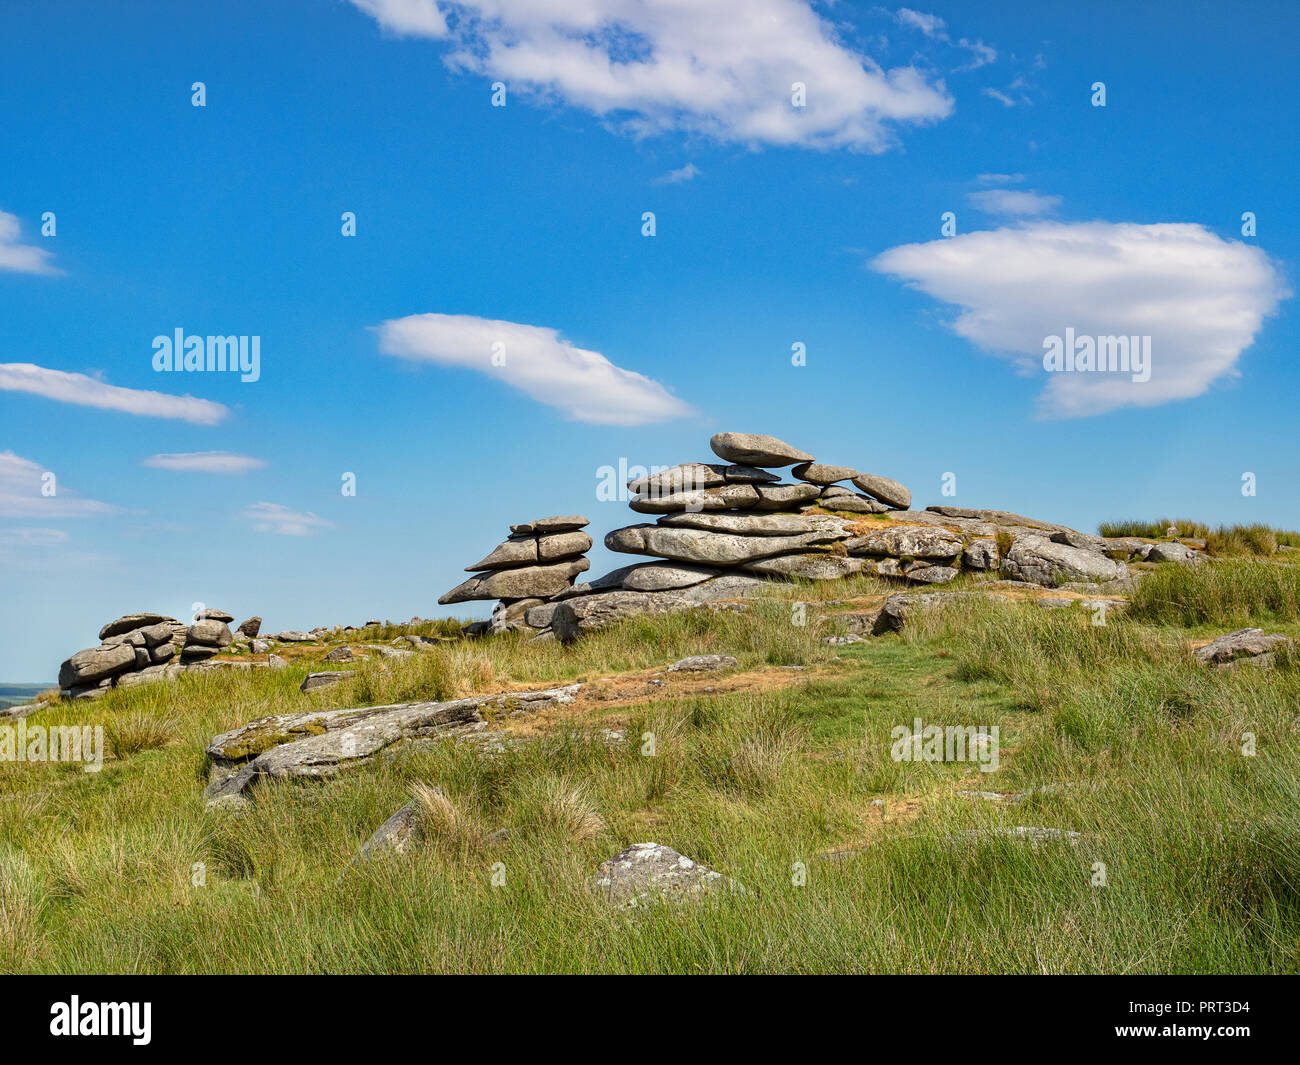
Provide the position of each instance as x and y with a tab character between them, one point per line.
704	664
647	873
94	664
822	474
664	576
209	632
710	548
756	449
885	489
523	582
1038	560
1244	643
131	621
566	523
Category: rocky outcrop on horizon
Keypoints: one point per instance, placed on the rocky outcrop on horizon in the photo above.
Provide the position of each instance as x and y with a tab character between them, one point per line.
538	560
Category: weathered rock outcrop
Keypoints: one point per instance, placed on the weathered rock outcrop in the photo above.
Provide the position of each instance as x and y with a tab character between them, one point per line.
324	743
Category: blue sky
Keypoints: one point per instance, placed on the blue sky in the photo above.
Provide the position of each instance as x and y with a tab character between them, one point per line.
774	225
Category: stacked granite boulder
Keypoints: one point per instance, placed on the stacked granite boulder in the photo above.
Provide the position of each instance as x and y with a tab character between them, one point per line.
139	648
135	646
723	530
538	560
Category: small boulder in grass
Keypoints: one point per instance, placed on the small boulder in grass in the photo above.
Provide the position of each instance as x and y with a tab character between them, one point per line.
646	873
327	679
703	664
1248	644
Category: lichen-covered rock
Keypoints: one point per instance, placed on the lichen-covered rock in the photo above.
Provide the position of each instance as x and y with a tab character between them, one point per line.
396	835
324	743
649	872
703	664
910	541
326	679
810	566
1041	561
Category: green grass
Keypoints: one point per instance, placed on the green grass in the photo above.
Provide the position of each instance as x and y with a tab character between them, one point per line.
1235	593
124	871
1154	530
1225	541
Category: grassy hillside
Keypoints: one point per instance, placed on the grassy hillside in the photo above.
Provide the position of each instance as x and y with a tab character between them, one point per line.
770	774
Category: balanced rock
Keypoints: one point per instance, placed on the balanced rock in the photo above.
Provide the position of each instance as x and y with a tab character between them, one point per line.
523	582
756	449
214	615
210	632
551	525
250	628
885	489
822	474
131	621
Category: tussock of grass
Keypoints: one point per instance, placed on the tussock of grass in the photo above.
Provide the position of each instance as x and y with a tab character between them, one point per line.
1154	530
1232	593
1226	541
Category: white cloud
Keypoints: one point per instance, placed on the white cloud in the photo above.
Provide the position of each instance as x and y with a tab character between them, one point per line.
999	179
930	25
1201	299
204	462
89	392
279	519
1000	97
537	361
1013	203
675	177
21	258
24	492
981	54
651	66
406	18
